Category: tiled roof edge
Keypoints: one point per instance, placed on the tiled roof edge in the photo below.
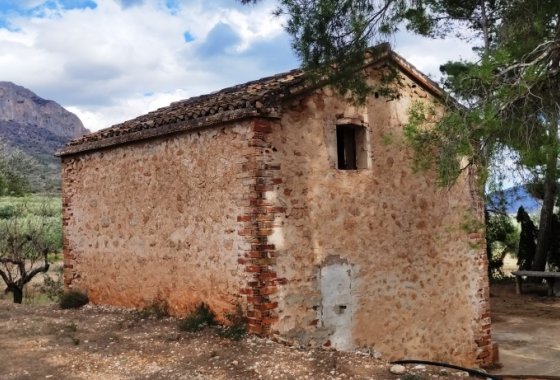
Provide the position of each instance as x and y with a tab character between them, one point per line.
381	53
165	130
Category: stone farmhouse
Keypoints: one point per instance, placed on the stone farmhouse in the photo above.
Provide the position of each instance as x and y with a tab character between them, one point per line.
293	202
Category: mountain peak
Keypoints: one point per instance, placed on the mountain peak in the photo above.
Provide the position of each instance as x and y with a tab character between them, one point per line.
22	106
37	127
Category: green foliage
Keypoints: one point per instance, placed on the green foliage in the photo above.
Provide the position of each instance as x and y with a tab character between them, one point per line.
331	36
53	288
388	139
439	142
200	317
29	231
33	209
69	332
7	211
158	309
236	328
502	237
553	255
527	240
507	100
73	299
14	168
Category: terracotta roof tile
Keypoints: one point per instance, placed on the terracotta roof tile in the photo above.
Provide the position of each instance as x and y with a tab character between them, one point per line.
260	97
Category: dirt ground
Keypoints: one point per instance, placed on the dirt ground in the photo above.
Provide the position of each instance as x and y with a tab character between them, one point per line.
44	342
527	329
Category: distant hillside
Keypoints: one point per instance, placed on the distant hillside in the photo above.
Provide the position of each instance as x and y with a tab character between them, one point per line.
514	197
37	127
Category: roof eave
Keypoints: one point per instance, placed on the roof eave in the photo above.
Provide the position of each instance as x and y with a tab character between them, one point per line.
164	130
380	54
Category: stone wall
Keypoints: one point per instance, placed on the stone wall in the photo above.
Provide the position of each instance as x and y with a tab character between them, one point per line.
257	213
377	257
158	220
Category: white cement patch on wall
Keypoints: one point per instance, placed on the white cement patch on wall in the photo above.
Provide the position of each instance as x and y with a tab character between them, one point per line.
337	303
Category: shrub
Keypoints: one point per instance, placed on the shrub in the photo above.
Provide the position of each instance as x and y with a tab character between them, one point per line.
73	299
52	287
237	327
7	211
201	317
158	308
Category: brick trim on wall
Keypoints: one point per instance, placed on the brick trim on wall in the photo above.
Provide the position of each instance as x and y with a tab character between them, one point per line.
256	224
69	257
486	353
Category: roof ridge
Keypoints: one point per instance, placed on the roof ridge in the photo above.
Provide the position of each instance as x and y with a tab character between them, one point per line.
260	97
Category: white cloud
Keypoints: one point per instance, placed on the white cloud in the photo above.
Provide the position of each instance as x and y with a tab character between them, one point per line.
101	62
427	54
126	108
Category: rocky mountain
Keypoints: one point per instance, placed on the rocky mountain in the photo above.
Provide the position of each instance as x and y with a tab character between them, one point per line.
514	197
37	127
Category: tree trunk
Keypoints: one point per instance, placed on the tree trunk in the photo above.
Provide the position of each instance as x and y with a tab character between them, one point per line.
545	224
18	294
484	22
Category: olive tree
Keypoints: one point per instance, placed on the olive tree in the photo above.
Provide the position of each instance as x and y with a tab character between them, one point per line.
28	233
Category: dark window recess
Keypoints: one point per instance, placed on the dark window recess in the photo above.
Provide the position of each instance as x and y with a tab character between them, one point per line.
346	147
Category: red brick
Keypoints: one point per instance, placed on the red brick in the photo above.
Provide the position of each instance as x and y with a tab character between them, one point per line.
268	290
255	299
263	262
263	247
264	217
245	232
253	269
261	202
264	232
267	276
244	218
263	188
262	127
275	209
267	306
255	329
269	321
255	254
483	354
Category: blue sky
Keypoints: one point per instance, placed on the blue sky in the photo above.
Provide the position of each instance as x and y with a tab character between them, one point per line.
111	60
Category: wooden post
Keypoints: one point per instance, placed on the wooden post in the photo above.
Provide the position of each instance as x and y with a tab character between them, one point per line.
518	284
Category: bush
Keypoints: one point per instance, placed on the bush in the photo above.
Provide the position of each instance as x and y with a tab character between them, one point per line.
237	327
158	309
73	299
52	287
7	211
201	317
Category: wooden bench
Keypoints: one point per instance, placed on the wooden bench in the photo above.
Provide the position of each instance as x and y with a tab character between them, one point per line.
550	278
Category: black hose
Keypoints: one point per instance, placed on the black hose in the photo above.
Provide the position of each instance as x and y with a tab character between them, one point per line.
470	371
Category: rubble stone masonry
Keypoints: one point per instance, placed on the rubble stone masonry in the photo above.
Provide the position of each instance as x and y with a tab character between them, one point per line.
256	212
158	221
378	257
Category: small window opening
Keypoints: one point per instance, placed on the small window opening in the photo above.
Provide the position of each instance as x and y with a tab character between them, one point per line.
346	147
